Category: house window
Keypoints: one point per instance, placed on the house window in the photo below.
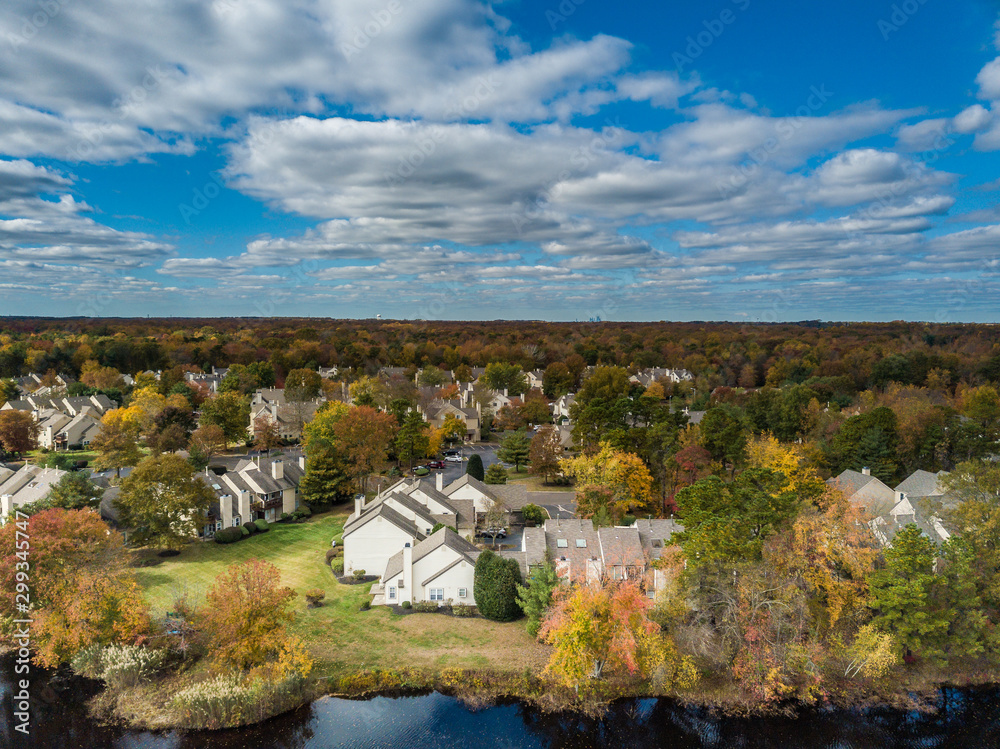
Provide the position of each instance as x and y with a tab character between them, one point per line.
218	525
392	592
581	543
463	592
437	594
561	543
236	521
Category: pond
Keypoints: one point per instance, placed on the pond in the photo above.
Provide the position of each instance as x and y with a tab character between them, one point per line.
964	718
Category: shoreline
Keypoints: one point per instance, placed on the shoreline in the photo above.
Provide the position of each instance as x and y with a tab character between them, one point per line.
483	688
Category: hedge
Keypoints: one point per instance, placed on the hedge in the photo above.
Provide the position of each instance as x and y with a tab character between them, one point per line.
243	531
228	535
262	525
250	526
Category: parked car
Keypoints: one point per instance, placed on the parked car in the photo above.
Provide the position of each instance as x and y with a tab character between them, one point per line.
436	464
494	533
446	453
453	459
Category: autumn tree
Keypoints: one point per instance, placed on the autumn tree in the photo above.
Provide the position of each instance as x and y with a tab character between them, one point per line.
319	432
246	617
118	440
303	385
596	628
622	473
163	502
83	591
18	431
230	412
8	391
363	437
265	434
545	452
172	428
454	428
208	440
976	486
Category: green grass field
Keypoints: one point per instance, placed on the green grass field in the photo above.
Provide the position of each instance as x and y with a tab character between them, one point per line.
340	636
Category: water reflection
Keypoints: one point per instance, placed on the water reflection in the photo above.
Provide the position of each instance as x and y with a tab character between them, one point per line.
963	718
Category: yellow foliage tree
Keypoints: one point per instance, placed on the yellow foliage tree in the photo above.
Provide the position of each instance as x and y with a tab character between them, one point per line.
789	460
622	473
319	432
147	404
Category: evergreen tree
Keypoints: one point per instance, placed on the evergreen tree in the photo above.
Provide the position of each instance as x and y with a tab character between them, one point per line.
495	474
325	481
515	448
412	441
902	595
495	587
475	467
536	597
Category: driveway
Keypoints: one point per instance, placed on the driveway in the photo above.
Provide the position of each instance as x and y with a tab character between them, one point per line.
557	504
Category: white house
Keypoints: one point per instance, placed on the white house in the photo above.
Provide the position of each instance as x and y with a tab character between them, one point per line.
439	568
25	486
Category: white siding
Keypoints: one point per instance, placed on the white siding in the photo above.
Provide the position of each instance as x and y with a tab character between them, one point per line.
369	547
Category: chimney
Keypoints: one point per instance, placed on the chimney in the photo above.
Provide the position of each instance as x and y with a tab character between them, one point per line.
49	437
302	462
277	470
407	573
226	504
359	505
244	506
505	392
866	471
439	481
274	412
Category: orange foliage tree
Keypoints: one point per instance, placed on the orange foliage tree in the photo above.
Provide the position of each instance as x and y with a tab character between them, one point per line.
82	591
597	627
246	619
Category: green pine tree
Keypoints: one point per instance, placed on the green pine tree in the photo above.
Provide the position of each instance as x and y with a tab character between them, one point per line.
325	481
515	448
475	467
536	597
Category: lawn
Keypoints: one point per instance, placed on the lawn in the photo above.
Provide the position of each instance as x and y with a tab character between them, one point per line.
340	636
534	483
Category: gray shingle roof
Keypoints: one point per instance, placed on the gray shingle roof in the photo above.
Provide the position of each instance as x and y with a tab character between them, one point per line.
443	537
922	484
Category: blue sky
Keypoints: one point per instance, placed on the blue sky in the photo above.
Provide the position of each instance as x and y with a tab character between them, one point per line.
725	160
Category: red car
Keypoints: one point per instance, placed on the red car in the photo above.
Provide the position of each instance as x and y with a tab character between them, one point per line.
436	464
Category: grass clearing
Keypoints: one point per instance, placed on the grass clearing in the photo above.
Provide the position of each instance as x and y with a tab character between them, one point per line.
340	636
535	483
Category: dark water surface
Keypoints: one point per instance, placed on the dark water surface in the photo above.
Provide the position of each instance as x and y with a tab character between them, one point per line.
964	718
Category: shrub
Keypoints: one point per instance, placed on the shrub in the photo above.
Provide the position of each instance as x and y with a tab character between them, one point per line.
305	511
118	666
284	516
439	526
425	607
337	566
314	597
228	535
495	587
251	527
495	474
463	609
366	605
330	554
533	514
262	525
406	605
359	574
421	471
243	531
